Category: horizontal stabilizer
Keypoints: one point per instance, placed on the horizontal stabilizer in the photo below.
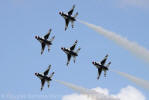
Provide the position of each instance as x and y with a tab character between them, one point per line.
108	64
78	50
76	15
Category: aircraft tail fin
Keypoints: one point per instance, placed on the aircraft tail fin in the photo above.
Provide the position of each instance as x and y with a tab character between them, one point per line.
77	53
76	15
108	64
51	75
48	84
74	59
105	73
78	50
52	38
72	24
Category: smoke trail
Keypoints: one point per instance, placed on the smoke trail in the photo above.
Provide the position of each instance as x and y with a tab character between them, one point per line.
133	47
90	93
138	81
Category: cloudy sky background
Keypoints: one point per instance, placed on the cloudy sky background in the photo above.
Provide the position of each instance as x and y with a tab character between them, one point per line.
20	56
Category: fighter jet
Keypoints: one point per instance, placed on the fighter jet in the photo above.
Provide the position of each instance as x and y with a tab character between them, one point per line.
44	41
70	52
101	66
44	77
68	17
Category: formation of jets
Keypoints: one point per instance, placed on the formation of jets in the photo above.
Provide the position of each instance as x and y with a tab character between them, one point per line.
70	52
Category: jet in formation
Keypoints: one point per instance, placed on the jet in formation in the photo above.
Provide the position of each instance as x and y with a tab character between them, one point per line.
68	17
44	41
101	66
44	77
70	52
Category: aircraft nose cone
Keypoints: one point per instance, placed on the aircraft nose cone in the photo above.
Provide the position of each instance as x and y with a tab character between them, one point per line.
36	37
36	74
62	48
93	62
60	13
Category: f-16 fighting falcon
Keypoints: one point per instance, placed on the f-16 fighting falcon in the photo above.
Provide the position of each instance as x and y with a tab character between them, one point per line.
44	41
68	17
44	77
101	66
70	52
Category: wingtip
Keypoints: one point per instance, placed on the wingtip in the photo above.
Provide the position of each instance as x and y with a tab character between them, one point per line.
79	48
49	66
73	6
107	55
50	29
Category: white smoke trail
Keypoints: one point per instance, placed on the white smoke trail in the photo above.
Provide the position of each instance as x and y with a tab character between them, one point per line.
138	81
133	47
137	3
90	93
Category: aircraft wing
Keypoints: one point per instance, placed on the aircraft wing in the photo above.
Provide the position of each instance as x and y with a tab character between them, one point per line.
47	71
66	23
42	47
71	11
42	83
68	59
47	35
99	72
104	60
74	45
